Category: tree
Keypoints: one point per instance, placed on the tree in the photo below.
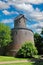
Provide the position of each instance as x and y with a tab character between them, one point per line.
38	42
42	31
42	35
37	39
5	35
27	50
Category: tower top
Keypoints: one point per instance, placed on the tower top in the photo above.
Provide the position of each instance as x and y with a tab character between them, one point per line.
19	17
20	21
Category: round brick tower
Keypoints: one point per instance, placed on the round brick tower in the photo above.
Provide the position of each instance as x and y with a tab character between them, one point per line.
20	34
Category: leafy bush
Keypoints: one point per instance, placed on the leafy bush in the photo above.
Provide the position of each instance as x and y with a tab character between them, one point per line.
27	50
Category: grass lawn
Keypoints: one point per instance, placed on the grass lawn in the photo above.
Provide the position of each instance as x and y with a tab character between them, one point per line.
7	58
28	63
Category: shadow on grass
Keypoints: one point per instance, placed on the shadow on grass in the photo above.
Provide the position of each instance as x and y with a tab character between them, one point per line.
36	61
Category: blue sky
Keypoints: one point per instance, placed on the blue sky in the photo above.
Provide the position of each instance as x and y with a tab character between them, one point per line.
32	9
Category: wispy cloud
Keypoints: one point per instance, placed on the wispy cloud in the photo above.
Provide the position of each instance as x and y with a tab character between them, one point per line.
26	1
7	21
6	12
4	5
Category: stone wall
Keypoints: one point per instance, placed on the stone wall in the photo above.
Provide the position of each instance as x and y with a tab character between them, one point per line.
20	35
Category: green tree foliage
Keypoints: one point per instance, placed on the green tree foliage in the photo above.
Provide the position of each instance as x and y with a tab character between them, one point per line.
38	42
27	50
42	35
37	39
5	35
42	31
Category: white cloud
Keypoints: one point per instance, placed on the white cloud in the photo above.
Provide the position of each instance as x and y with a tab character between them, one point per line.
38	30
26	1
3	5
37	27
24	6
41	24
7	21
36	14
6	12
34	1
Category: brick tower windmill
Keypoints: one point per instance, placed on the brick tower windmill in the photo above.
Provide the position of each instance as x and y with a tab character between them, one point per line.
20	34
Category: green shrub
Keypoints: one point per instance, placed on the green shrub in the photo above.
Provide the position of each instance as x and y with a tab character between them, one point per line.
27	50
